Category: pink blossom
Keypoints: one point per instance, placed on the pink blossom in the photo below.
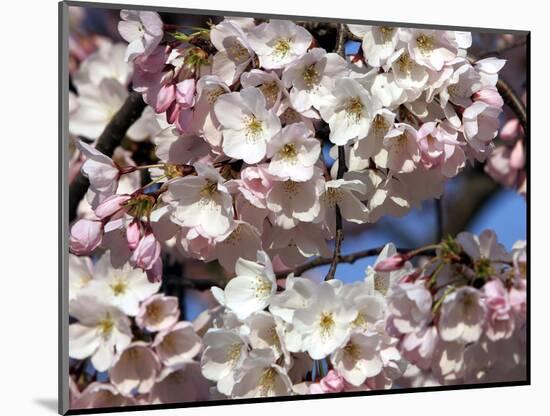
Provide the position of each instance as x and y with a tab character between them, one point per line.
255	183
410	306
177	344
98	395
143	30
500	322
136	367
331	383
158	313
489	95
110	206
511	130
146	253
85	236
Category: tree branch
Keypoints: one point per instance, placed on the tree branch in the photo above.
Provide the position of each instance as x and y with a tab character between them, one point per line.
109	140
347	258
340	50
513	101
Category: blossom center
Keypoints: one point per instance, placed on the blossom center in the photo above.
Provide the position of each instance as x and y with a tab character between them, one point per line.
282	47
360	321
379	125
290	188
119	287
235	237
353	350
237	52
288	152
354	109
267	380
153	313
425	43
483	268
215	94
386	32
311	76
333	196
270	90
262	287
233	353
405	63
209	189
106	326
326	323
254	129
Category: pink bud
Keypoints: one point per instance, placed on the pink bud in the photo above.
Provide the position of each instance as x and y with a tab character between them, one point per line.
154	274
390	264
510	130
517	157
489	96
111	205
146	253
332	382
133	234
165	97
185	92
85	236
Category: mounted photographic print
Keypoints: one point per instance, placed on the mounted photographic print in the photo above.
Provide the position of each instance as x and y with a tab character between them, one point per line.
261	207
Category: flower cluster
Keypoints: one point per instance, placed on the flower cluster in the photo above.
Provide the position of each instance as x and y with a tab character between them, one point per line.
270	342
239	114
126	342
255	145
461	318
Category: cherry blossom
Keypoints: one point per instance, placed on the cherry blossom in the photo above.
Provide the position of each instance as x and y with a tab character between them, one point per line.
279	42
142	30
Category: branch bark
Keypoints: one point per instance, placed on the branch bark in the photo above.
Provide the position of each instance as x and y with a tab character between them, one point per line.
109	140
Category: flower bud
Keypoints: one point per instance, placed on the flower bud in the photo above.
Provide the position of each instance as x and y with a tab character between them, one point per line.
146	253
133	234
390	264
85	236
110	206
185	92
165	97
517	157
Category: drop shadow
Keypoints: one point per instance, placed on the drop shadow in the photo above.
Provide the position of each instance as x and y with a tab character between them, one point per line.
48	404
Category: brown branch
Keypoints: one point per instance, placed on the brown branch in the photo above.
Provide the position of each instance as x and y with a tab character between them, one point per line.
109	140
513	101
347	258
340	50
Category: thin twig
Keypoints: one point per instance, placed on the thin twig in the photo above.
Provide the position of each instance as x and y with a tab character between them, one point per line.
109	140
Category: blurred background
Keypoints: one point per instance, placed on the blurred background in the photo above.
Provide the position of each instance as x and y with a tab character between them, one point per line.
473	201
